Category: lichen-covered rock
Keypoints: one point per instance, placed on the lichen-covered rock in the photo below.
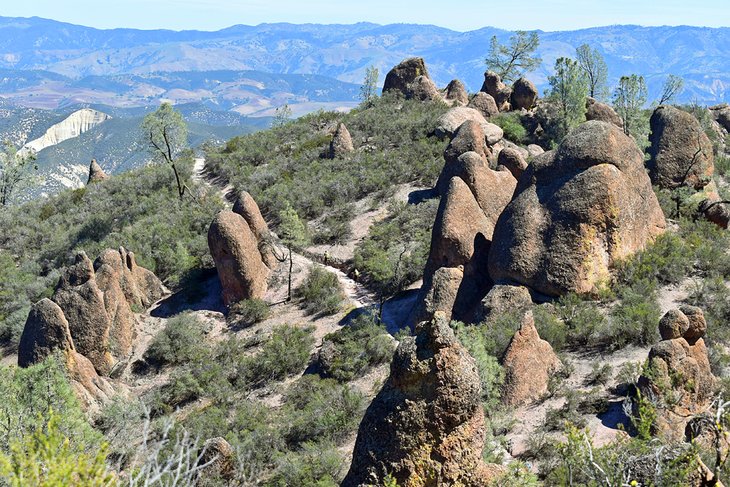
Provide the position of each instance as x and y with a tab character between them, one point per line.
677	376
82	303
247	207
96	173
234	249
411	79
484	103
341	144
426	425
575	212
595	110
512	160
456	93
449	123
46	332
528	364
524	95
681	153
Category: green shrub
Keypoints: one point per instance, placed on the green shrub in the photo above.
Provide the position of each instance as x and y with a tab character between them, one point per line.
352	350
286	352
512	127
635	318
321	292
181	341
491	374
248	312
314	465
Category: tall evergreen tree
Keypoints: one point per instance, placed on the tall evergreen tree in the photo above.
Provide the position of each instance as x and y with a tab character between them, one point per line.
569	87
594	66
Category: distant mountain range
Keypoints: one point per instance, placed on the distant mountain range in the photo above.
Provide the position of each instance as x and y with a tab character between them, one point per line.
101	64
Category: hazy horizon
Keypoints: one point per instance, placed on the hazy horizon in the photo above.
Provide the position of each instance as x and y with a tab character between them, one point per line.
213	15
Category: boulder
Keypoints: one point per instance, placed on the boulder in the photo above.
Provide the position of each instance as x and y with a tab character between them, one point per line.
677	377
502	299
681	153
469	137
524	95
439	293
141	287
528	363
218	462
456	93
534	150
449	122
411	79
575	212
716	211
246	206
341	144
595	110
123	322
46	332
96	173
503	99
721	114
82	302
484	103
234	249
492	84
512	160
426	425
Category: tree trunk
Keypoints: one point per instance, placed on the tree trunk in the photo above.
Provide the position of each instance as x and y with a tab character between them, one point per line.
180	187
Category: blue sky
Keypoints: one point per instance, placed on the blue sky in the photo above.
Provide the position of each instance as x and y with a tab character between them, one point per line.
462	16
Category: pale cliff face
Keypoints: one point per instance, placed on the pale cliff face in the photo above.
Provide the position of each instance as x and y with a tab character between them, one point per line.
74	125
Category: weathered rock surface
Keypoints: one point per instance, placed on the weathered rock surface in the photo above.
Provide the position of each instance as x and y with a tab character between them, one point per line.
469	137
484	103
595	110
721	113
46	332
449	122
575	212
96	173
341	144
716	212
528	364
426	426
681	153
456	93
411	79
503	299
82	302
247	207
513	161
534	150
219	461
494	87
234	248
524	94
678	377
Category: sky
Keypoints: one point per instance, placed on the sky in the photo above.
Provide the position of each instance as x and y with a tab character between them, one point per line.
462	16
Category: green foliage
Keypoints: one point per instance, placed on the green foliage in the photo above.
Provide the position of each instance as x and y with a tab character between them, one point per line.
314	465
629	99
248	312
179	342
594	66
491	374
321	292
644	418
673	86
292	230
394	253
282	116
568	90
369	88
634	319
50	458
285	352
512	127
514	60
355	348
166	135
15	171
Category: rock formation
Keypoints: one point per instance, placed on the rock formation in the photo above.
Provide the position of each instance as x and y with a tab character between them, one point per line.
341	143
72	126
96	173
235	250
681	152
494	87
595	110
721	114
513	161
218	460
534	150
716	211
524	95
529	362
411	79
575	212
501	299
426	425
449	122
678	376
247	207
484	104
456	93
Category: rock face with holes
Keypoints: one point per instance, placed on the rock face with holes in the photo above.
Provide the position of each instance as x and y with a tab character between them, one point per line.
681	153
529	362
247	207
341	144
235	250
411	79
678	376
426	425
575	212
